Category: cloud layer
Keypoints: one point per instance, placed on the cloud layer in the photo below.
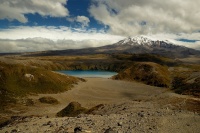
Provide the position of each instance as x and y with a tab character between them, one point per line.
16	9
42	44
133	17
40	38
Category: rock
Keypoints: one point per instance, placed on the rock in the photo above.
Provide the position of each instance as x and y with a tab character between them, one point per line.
29	76
110	130
61	129
29	102
44	124
15	117
47	131
77	129
49	122
119	123
72	110
141	114
124	108
14	131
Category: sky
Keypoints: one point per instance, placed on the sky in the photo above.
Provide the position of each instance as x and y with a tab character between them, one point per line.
39	25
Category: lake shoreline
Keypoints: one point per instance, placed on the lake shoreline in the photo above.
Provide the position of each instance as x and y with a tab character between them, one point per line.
89	73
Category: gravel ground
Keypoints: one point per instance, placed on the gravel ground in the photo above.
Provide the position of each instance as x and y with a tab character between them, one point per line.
132	117
128	108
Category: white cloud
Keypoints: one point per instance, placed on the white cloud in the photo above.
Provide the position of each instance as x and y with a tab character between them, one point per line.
16	9
174	38
133	17
195	45
38	38
42	44
55	33
70	19
83	20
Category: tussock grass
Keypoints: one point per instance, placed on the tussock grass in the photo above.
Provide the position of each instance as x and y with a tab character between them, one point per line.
147	58
14	83
181	85
146	72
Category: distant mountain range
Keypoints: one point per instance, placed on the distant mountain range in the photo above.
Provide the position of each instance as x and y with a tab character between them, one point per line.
134	45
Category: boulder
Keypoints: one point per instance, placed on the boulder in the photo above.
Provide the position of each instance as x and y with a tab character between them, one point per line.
72	110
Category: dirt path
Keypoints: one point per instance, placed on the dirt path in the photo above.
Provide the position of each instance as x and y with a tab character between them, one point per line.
96	91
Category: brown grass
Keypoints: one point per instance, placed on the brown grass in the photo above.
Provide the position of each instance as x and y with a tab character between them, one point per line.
14	84
148	73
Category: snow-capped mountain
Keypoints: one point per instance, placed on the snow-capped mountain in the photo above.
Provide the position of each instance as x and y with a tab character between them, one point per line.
134	45
138	40
145	44
146	41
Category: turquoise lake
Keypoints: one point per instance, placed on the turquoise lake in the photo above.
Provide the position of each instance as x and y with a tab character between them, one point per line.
90	73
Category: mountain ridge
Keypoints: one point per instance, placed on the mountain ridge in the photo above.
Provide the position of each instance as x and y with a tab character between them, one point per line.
147	45
131	45
141	40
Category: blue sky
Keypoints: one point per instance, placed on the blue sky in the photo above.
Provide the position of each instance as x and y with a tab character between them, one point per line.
37	25
75	8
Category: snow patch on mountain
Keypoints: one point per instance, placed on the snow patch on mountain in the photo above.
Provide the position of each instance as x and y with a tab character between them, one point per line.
143	40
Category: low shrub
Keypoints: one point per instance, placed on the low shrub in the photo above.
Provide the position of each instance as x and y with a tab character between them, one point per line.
48	100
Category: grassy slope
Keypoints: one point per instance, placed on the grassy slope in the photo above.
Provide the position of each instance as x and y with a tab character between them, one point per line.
13	82
146	72
187	82
147	68
185	77
147	58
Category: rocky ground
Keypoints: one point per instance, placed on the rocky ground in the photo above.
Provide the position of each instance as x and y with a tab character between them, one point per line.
158	111
132	117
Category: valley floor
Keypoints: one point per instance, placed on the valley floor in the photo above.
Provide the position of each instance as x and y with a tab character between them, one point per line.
128	107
